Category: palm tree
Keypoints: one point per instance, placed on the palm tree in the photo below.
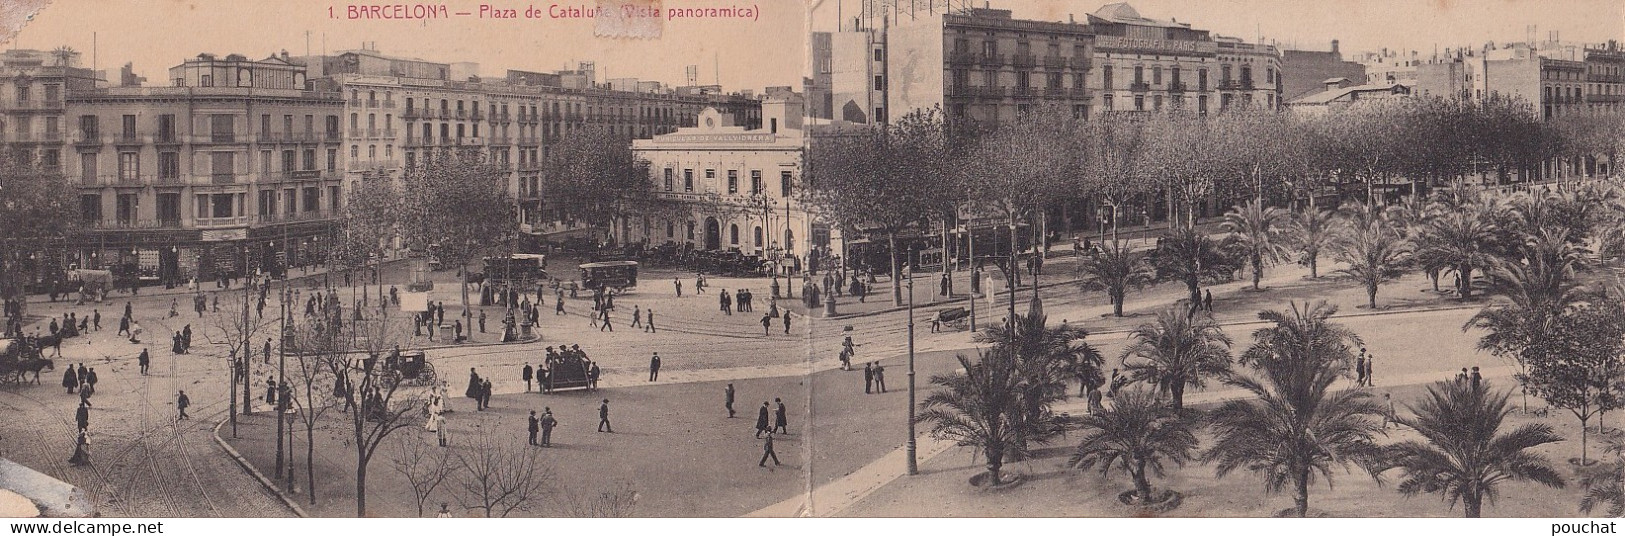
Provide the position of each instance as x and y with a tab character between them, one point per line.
1311	232
1176	351
1297	428
1137	434
1256	229
1539	289
1605	484
1046	358
1463	458
979	408
1189	256
1374	254
1115	268
1460	240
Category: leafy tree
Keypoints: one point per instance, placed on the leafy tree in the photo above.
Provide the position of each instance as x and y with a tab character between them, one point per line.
1136	435
1256	229
1310	233
593	177
37	208
1374	253
458	201
1115	268
882	179
1115	159
1576	366
1606	484
1465	457
980	408
1176	351
1297	429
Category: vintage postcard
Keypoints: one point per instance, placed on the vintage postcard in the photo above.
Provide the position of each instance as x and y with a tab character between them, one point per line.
1053	258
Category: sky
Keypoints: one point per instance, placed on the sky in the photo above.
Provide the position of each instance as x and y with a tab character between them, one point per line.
159	34
1360	25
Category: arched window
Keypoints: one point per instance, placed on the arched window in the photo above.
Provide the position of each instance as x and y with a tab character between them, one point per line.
758	237
733	234
670	230
789	240
691	230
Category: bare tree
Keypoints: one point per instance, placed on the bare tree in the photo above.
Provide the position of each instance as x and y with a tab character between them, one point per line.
382	403
424	467
619	500
313	394
235	329
500	476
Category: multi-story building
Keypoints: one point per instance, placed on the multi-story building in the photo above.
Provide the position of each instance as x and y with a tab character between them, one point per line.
1339	93
33	87
732	187
233	166
1153	65
1305	72
1605	78
850	69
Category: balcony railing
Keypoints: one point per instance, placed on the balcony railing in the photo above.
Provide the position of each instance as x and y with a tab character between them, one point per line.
476	115
418	142
223	178
991	59
1023	60
963	57
388	103
128	139
355	102
229	221
1055	62
500	140
83	140
1022	92
295	217
138	224
166	138
1229	84
53	135
1139	86
501	118
1177	87
414	113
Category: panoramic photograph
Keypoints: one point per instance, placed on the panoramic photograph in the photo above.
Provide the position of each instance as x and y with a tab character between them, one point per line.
1151	259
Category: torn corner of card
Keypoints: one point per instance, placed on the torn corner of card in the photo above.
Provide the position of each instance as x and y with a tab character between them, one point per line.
636	19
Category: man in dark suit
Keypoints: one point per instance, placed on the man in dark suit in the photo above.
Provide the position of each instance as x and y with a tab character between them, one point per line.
767	450
526	374
603	417
780	420
761	421
728	400
868	378
654	367
535	426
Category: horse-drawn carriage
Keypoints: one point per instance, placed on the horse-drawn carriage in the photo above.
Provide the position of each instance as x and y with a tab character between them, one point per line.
954	317
569	370
18	358
414	367
617	275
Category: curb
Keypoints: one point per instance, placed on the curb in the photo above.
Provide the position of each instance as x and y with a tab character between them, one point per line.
894	309
265	482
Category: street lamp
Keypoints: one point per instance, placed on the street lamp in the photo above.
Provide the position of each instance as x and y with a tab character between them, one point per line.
913	463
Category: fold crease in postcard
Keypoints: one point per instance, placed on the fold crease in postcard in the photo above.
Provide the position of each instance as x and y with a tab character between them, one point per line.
638	19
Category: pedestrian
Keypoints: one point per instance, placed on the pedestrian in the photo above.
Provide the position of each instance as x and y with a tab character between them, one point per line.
725	303
81	450
128	311
144	360
485	394
1476	379
1388	411
604	321
880	377
181	403
90	381
728	400
440	432
526	374
593	373
767	325
780	420
270	390
654	367
558	306
1462	377
82	415
135	332
1370	371
267	349
70	379
1359	371
786	321
603	417
767	452
482	320
1207	300
548	422
868	378
761	421
679	285
123	326
84	395
650	325
535	426
637	316
96	319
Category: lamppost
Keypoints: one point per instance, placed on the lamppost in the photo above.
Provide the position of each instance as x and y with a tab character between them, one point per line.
913	463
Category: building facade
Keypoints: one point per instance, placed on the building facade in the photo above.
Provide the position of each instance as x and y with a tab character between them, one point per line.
1305	72
236	168
1148	65
731	188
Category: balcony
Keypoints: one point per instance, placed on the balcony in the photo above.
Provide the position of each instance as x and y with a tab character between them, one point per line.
53	135
462	115
389	104
500	140
1139	87
128	139
166	138
1247	83
530	166
137	224
1023	60
355	103
37	106
1077	92
1023	92
413	114
476	115
963	57
1229	85
83	140
295	217
418	142
529	140
1177	87
1080	63
1054	62
447	140
501	118
223	178
991	59
372	103
228	221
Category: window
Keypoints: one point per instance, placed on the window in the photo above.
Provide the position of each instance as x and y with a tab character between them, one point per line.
333	159
166	128
372	152
1224	76
222	128
1139	103
313	199
265	126
1201	79
1156	75
128	127
265	162
1106	102
87	167
711	179
1174	75
51	158
690	231
880	54
332	126
87	126
333	199
223	165
355	123
758	237
129	166
290	201
310	159
669	174
169	165
128	204
53	128
1023	79
90	208
411	159
287	124
288	161
1106	78
880	82
756	182
688	182
22	94
1139	74
169	209
1156	102
355	152
733	181
671	230
733	234
785	179
880	114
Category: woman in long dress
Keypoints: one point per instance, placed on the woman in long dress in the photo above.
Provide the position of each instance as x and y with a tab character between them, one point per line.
81	450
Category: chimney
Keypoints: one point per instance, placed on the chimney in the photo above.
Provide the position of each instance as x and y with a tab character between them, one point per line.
1334	46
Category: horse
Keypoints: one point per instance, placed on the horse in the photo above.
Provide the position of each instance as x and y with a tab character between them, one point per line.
34	366
48	341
